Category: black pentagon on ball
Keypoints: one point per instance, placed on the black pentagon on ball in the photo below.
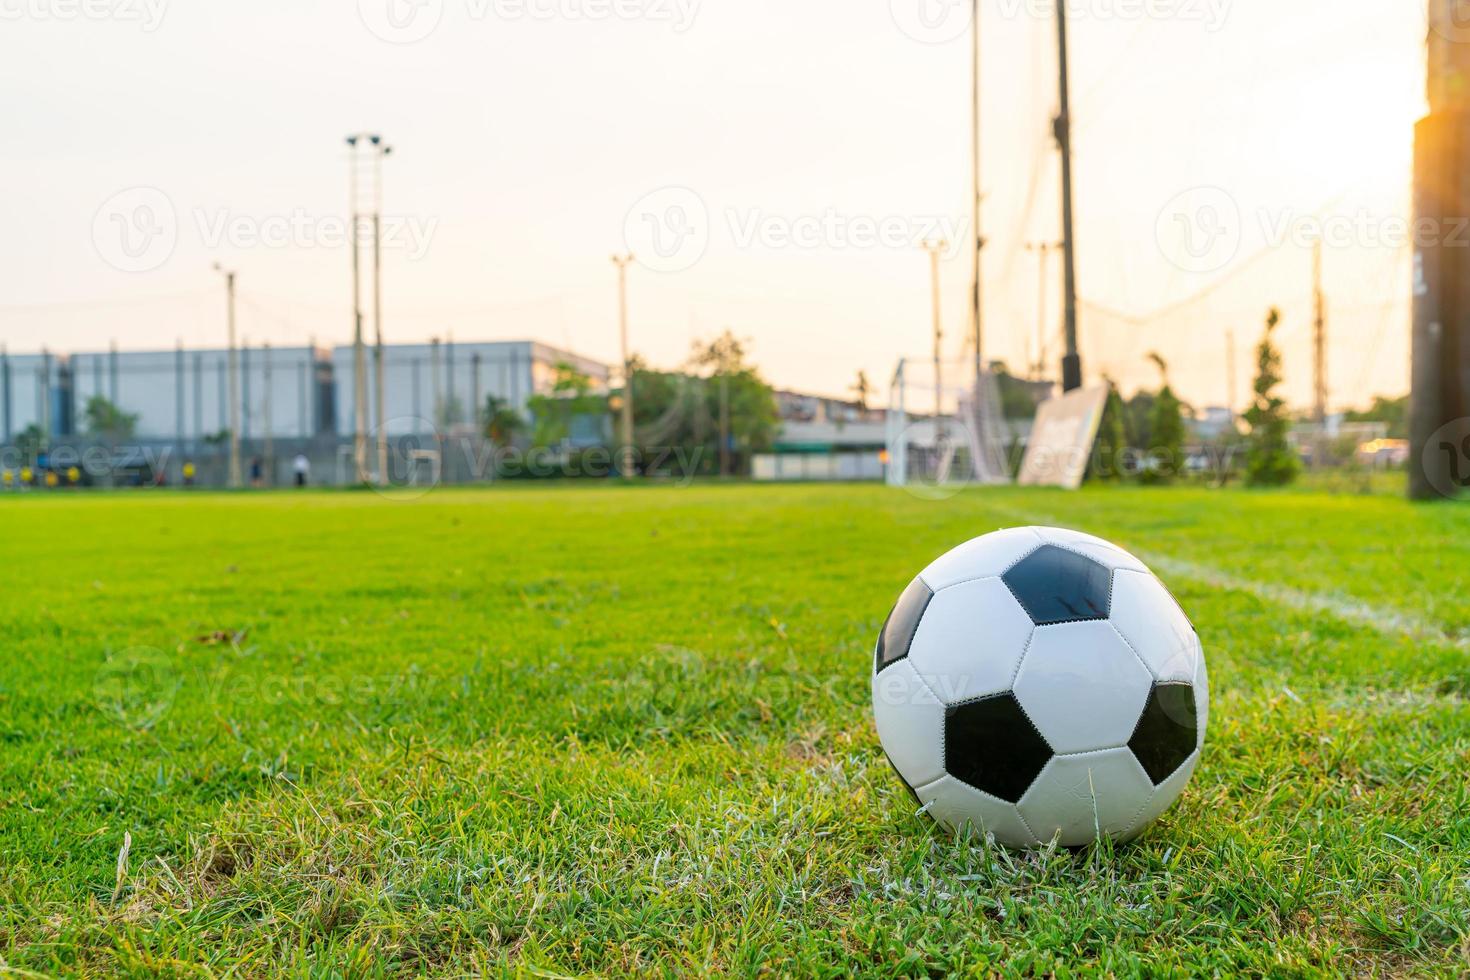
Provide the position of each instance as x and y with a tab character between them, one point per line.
899	628
1055	585
1168	731
991	745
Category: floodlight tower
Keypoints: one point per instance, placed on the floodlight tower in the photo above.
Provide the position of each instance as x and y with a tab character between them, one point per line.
376	149
381	150
359	354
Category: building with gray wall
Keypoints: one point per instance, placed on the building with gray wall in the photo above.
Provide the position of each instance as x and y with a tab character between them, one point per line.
183	395
439	386
31	393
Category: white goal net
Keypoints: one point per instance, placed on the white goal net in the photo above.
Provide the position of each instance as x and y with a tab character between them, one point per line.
944	428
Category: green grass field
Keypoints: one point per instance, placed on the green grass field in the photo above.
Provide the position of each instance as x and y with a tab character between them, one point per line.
593	731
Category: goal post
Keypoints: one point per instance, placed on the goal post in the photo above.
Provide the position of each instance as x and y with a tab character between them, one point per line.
945	427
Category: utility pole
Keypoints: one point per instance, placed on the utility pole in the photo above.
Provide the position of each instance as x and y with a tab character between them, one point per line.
1072	362
626	460
1044	249
1319	357
935	250
435	398
478	415
234	383
1230	388
5	408
976	304
724	421
359	354
270	447
1440	397
1319	335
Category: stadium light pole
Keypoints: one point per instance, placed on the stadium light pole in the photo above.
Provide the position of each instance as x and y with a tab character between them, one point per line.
625	461
381	150
234	383
359	354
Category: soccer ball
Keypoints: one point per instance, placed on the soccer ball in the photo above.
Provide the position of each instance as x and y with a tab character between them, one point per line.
1037	684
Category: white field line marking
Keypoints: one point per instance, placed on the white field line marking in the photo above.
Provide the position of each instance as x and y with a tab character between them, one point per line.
1388	622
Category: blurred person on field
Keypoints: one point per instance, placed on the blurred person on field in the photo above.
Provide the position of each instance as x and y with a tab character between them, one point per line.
301	466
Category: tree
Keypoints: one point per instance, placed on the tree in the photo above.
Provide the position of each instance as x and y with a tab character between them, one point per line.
737	398
502	423
1270	461
1018	397
863	388
30	441
1107	456
106	420
1137	416
1166	431
571	396
1394	412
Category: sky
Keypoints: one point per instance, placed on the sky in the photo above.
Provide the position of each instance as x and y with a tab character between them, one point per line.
775	167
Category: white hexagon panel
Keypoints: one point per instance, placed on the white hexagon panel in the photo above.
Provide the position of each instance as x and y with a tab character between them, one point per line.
970	640
1154	625
1095	548
910	724
1163	797
984	557
1082	686
1079	798
957	806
